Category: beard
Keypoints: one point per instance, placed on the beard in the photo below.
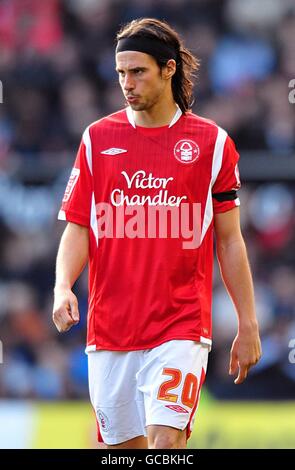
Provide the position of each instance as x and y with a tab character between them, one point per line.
137	106
143	106
146	104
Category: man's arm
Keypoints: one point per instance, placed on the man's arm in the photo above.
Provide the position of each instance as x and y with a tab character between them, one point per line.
236	275
71	259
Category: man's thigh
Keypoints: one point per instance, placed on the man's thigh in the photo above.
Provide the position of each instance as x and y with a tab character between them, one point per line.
171	380
114	396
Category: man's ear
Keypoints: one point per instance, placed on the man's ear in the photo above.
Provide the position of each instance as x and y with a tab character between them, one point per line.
169	70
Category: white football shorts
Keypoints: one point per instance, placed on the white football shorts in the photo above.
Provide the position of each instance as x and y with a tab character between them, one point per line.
130	390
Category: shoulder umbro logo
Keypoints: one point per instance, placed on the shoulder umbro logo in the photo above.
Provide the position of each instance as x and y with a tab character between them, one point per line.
113	151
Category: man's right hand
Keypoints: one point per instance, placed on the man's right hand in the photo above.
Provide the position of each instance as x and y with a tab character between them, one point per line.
65	309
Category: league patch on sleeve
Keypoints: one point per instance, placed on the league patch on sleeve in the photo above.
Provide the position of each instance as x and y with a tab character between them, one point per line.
71	184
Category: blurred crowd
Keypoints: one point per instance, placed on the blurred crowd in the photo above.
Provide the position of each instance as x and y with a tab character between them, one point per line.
57	71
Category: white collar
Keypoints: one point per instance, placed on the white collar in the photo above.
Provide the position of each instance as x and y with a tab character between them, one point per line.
175	118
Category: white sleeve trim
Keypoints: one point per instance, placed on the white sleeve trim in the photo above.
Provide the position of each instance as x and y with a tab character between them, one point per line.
87	143
93	219
216	167
218	154
61	215
90	348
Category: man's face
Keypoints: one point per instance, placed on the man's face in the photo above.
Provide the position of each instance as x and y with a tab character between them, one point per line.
140	78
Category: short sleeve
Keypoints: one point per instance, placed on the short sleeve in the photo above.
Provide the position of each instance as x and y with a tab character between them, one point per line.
224	191
76	203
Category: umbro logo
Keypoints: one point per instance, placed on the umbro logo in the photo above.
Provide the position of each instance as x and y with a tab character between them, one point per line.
177	408
113	151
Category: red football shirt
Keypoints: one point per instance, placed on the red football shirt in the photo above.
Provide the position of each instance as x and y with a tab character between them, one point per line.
146	195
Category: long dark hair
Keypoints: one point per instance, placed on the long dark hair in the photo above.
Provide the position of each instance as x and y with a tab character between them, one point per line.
186	64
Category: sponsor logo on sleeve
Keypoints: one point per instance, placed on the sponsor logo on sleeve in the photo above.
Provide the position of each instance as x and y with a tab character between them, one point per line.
71	184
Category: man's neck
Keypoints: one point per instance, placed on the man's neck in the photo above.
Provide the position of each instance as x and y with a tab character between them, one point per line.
157	116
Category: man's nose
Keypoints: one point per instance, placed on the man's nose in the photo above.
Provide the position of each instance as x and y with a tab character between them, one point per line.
128	83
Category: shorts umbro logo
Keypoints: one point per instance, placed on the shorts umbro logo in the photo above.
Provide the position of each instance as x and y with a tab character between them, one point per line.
113	151
177	408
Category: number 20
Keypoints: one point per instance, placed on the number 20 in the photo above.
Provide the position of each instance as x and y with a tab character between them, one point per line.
189	390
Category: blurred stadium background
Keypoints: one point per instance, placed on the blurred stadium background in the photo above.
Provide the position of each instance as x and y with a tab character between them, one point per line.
57	71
